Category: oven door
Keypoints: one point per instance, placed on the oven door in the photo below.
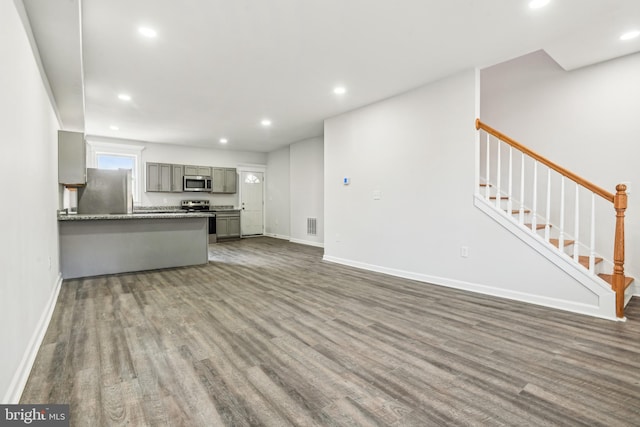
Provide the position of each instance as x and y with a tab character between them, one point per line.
197	183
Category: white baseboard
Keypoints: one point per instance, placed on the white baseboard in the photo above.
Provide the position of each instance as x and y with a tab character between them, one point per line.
19	380
277	236
307	242
590	310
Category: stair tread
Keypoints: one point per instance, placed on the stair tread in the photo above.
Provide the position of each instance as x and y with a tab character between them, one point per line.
584	260
609	279
501	198
485	185
517	211
538	226
556	242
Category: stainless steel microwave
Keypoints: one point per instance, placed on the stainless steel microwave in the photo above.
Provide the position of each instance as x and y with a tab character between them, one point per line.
197	183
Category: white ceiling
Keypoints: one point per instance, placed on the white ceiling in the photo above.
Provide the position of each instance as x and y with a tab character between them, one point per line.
217	67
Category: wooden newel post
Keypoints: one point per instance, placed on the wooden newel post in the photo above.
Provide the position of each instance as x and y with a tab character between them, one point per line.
620	205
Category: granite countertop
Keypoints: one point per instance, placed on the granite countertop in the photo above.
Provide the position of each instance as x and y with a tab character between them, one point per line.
136	215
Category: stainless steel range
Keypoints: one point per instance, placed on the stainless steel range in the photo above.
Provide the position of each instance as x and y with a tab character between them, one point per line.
195	205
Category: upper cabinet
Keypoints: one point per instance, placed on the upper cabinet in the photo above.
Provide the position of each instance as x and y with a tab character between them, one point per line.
225	180
159	177
167	177
197	170
176	178
72	158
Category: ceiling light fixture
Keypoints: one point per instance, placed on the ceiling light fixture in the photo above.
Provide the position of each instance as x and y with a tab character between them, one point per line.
113	127
265	122
147	32
537	4
124	97
630	35
223	140
340	90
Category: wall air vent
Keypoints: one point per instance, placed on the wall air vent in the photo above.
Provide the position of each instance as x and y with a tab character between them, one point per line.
311	226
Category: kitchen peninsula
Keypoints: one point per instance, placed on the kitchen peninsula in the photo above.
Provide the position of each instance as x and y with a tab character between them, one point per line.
96	244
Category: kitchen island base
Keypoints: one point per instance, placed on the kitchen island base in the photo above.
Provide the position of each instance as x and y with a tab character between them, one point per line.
96	247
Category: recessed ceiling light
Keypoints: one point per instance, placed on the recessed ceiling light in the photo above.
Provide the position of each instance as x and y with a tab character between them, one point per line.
340	90
147	32
630	35
124	97
265	122
223	140
113	127
537	4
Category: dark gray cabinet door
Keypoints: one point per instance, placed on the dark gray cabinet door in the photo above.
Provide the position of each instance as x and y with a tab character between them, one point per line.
230	181
222	227
153	177
233	226
218	180
158	177
225	180
176	178
227	225
72	168
197	170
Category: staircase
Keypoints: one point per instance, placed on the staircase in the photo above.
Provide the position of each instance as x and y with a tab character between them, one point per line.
555	211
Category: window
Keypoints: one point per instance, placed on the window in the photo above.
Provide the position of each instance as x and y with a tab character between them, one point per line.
120	161
252	179
103	155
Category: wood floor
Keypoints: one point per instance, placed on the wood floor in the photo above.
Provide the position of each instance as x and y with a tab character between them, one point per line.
268	334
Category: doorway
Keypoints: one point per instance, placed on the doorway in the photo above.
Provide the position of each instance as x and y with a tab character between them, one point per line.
252	203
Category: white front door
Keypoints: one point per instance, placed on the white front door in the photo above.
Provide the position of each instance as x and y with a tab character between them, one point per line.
252	203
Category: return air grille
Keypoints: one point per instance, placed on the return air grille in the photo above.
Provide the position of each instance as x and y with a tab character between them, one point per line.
311	226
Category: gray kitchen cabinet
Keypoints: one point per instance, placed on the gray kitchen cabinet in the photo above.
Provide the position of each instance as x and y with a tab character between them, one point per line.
227	225
225	180
158	177
72	158
176	178
197	170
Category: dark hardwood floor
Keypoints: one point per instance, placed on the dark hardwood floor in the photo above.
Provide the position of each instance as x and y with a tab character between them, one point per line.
268	334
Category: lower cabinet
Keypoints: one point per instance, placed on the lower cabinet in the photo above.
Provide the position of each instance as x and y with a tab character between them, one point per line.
227	225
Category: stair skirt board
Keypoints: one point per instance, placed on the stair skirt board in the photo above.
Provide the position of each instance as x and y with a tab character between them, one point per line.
593	283
579	308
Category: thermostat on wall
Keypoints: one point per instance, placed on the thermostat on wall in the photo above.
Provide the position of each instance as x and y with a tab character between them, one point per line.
346	180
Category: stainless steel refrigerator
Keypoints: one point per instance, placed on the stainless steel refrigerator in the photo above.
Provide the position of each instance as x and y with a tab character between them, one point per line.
106	192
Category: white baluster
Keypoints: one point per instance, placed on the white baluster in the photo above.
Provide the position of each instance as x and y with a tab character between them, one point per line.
509	200
561	238
534	210
498	172
547	226
521	215
487	191
576	232
592	245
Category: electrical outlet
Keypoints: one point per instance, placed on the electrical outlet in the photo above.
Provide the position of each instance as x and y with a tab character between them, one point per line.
464	251
49	263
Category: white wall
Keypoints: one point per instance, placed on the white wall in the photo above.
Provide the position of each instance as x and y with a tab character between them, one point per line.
416	150
585	120
169	153
307	190
29	262
278	194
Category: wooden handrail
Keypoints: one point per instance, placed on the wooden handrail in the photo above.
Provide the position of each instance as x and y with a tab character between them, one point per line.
562	171
619	201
